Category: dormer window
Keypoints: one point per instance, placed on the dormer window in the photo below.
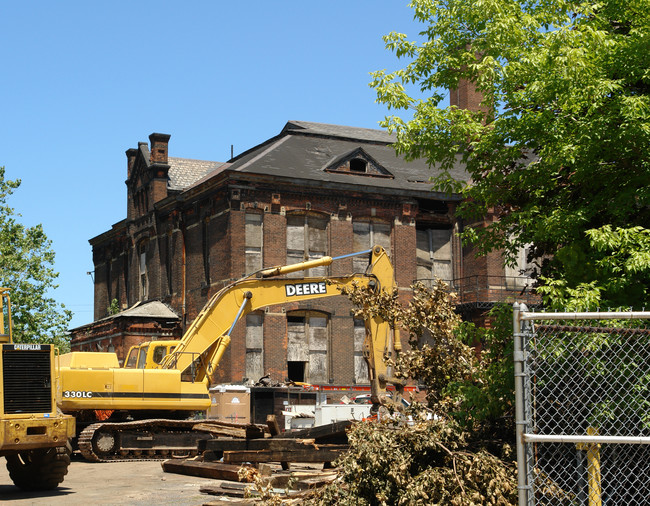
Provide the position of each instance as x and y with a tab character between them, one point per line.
357	162
358	165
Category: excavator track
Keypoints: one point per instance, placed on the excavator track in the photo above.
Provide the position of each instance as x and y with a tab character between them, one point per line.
157	439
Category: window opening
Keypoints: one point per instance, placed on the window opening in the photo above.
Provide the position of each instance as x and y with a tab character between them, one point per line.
308	343
142	358
144	284
132	359
358	165
206	250
434	255
360	365
253	244
367	234
159	353
254	367
519	275
306	240
296	371
169	263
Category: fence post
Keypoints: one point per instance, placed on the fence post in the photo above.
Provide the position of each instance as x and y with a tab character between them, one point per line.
593	469
519	404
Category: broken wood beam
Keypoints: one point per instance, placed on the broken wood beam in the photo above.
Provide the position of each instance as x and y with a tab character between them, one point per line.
319	453
213	470
274	430
249	431
329	431
272	424
275	443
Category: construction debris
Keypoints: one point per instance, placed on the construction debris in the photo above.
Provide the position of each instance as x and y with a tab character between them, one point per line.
254	446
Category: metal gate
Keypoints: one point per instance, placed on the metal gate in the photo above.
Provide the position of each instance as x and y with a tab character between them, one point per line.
582	387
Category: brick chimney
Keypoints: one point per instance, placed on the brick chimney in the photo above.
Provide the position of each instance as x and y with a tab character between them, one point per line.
159	145
158	166
466	96
130	160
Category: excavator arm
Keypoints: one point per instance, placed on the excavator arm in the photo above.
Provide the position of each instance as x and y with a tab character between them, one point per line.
204	343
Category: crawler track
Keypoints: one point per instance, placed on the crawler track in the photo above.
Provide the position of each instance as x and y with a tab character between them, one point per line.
156	439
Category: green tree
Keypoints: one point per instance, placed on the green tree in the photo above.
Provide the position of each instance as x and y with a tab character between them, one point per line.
26	268
558	151
460	455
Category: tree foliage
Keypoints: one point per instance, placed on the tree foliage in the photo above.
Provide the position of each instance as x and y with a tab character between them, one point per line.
26	268
559	150
462	454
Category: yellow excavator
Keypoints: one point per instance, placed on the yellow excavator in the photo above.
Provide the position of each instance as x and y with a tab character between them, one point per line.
34	435
141	410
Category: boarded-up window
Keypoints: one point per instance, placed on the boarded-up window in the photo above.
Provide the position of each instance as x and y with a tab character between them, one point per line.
169	255
253	242
306	240
205	246
434	255
144	282
366	235
518	275
308	342
318	338
360	364
254	346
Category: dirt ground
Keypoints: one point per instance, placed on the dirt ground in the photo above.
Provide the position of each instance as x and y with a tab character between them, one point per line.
112	483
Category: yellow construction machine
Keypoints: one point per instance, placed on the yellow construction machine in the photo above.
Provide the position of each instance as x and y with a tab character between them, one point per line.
141	410
34	435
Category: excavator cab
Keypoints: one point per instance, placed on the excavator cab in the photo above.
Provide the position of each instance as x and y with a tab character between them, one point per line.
149	355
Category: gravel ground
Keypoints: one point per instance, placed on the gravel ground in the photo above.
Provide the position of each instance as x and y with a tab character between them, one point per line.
116	483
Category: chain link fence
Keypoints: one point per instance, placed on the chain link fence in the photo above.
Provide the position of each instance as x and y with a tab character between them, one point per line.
583	407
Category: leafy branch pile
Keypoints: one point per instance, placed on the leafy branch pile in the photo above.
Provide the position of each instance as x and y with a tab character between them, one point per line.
455	451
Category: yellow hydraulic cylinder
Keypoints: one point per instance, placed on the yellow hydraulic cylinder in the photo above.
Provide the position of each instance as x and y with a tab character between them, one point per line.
302	266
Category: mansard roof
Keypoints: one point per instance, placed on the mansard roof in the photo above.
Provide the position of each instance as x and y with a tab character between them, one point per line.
304	151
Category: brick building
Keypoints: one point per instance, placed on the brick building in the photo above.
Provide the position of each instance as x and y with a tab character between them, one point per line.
194	226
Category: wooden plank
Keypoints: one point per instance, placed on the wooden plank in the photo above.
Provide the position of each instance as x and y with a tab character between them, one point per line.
227	501
315	482
222	491
275	443
213	470
230	430
274	429
321	453
220	431
322	431
272	424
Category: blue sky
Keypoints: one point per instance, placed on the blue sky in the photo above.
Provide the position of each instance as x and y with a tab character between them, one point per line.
84	81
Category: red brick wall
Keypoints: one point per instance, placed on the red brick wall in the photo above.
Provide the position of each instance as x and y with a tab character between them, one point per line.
275	344
274	240
180	231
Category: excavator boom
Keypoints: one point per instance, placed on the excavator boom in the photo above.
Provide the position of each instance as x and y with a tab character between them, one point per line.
204	343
